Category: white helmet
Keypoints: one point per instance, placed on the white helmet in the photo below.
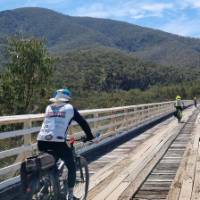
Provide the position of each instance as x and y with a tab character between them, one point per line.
61	95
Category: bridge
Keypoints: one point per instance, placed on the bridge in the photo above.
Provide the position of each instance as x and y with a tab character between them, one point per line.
141	152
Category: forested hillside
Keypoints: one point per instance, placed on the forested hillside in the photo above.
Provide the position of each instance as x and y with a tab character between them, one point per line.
109	70
104	62
65	33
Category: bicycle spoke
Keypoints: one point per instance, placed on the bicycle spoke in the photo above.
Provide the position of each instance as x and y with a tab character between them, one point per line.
45	189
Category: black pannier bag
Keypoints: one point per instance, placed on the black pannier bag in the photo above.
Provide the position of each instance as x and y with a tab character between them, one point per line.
32	166
46	161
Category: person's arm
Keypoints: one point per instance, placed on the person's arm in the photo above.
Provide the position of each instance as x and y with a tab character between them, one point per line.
83	124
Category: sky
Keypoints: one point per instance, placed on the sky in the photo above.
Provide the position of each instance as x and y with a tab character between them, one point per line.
181	17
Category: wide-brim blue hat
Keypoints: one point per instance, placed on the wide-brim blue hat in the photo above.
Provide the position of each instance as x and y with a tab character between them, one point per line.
61	95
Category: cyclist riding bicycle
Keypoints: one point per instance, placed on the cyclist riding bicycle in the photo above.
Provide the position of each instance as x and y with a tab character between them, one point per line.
195	101
54	130
179	106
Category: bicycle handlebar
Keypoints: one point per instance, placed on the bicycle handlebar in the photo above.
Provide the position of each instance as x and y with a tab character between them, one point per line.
73	140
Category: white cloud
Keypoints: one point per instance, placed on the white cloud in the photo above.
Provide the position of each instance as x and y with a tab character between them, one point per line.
183	26
157	7
132	9
53	1
47	2
189	3
95	10
142	9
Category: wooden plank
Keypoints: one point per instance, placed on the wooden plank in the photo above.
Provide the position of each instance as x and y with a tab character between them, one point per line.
18	150
127	194
176	186
196	187
11	134
109	189
118	168
114	195
38	117
143	194
99	177
10	168
163	173
4	120
9	182
146	149
188	174
138	179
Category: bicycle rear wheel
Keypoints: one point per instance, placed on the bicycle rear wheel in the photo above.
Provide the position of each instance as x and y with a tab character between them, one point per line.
179	116
44	188
82	178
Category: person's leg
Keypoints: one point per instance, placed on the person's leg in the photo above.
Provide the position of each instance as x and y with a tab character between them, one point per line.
176	112
67	156
49	147
42	146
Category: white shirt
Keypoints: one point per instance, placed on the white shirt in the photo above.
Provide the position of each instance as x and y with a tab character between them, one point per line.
179	103
57	120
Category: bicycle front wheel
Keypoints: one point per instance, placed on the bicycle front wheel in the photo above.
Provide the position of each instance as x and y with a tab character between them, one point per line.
82	178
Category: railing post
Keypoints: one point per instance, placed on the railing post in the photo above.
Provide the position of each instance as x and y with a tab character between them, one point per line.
27	141
160	106
142	114
125	118
138	116
157	110
113	121
95	115
133	117
147	111
27	137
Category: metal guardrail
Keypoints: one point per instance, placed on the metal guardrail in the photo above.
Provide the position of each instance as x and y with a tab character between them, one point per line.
18	135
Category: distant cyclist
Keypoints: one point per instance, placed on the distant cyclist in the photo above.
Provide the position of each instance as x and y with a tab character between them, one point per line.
195	101
179	107
54	130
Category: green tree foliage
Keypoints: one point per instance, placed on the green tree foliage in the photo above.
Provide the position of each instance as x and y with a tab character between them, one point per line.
26	78
136	96
102	69
101	77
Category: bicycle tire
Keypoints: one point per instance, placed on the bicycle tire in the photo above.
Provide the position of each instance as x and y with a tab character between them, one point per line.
52	186
179	116
81	165
30	190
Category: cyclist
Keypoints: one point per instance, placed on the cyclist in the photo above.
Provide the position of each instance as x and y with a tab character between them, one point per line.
52	135
195	101
178	105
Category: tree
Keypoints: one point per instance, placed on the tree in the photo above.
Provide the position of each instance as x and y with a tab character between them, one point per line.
25	81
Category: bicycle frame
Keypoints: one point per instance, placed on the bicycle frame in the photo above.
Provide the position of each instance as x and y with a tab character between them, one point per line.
56	178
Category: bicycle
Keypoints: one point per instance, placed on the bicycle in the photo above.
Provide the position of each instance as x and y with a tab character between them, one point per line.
50	182
179	115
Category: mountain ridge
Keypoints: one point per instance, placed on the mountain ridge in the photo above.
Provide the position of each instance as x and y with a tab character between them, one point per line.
65	33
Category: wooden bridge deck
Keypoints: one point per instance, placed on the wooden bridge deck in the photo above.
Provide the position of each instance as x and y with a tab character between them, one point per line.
161	163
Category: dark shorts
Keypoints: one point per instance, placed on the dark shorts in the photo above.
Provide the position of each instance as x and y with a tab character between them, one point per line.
62	151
